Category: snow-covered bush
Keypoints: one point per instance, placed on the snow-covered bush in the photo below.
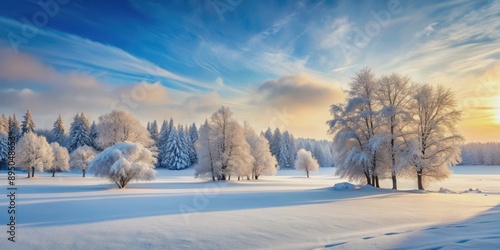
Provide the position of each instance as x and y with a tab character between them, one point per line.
61	158
33	152
306	162
124	162
81	158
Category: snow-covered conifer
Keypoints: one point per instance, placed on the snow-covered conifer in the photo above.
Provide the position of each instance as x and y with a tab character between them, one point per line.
177	152
14	128
286	155
4	124
79	134
153	131
28	125
59	131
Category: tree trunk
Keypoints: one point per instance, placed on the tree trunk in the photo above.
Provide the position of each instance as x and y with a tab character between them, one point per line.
238	178
83	172
53	172
376	182
29	172
419	179
373	180
32	171
213	177
307	173
256	177
368	181
394	182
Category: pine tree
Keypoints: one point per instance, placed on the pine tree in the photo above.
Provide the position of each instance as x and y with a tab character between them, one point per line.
176	156
79	133
93	136
4	149
192	138
269	136
14	128
153	131
59	132
275	143
162	143
28	124
287	152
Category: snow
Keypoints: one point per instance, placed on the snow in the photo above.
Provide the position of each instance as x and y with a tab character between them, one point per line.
287	211
344	186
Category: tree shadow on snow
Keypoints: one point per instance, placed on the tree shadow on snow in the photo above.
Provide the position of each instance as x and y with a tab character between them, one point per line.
117	205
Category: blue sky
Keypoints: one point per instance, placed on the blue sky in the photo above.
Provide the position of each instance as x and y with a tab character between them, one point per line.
275	63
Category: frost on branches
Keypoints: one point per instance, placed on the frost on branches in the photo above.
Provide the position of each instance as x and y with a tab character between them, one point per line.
124	162
33	152
264	162
81	158
306	162
61	158
389	127
222	148
120	126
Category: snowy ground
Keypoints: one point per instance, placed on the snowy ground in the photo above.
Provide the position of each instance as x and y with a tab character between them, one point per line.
287	211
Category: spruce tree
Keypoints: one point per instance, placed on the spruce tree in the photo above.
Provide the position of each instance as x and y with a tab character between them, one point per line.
79	133
287	151
4	124
59	132
28	124
14	128
177	156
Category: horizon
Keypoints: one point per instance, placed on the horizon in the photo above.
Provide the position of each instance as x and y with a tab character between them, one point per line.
273	64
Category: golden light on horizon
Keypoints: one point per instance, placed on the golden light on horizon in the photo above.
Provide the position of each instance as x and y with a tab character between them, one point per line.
497	111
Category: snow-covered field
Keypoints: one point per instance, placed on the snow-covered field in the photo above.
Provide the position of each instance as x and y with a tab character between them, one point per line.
287	211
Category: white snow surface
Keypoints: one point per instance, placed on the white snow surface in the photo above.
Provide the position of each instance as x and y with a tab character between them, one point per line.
287	211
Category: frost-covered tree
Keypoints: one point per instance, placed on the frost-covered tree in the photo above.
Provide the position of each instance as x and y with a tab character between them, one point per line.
123	162
120	126
177	152
59	131
208	160
79	134
306	162
81	158
436	142
355	126
61	158
394	97
4	124
286	155
264	162
269	136
33	152
228	144
14	128
28	125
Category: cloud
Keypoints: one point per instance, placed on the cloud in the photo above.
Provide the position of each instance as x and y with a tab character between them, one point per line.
288	100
